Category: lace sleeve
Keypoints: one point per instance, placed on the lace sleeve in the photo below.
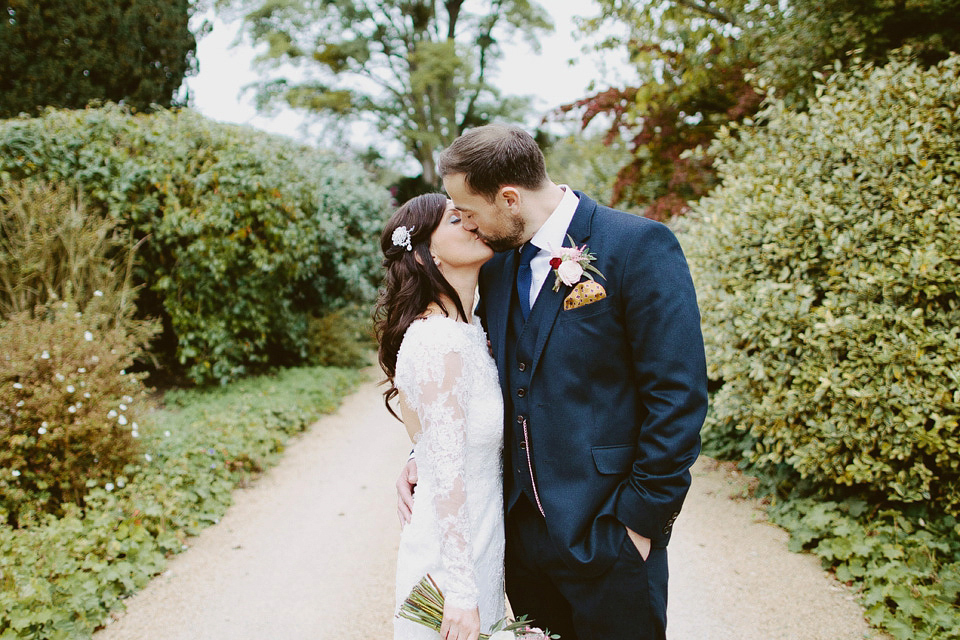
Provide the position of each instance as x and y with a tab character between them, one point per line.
438	399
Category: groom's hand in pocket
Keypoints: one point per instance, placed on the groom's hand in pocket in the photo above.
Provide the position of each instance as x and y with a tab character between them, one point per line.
642	544
406	484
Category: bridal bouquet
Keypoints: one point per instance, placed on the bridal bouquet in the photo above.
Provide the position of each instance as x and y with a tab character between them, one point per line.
424	606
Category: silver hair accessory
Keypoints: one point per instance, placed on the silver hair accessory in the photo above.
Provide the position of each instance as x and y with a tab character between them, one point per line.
401	237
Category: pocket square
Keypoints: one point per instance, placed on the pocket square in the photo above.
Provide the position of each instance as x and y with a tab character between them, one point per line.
587	292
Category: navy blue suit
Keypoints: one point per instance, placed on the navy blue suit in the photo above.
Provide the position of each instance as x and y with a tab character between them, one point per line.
603	409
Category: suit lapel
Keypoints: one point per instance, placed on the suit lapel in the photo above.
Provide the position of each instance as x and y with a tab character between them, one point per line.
551	300
499	316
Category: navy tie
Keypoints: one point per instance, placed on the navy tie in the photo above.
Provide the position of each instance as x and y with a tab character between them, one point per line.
525	276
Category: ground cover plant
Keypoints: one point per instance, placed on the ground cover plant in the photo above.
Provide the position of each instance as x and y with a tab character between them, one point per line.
61	575
828	268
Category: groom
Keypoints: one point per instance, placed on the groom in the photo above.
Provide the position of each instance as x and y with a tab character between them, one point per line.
604	387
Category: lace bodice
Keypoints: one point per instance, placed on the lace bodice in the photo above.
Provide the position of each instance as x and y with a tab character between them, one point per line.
446	375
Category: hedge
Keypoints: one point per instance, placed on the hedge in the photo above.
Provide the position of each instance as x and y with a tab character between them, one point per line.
247	233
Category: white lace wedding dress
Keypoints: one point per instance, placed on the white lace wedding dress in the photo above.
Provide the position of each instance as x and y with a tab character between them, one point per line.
447	376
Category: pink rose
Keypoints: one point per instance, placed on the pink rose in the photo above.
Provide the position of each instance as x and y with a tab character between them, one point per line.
570	272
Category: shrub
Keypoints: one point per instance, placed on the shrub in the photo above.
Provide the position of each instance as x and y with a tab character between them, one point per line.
343	338
827	265
68	409
247	233
62	576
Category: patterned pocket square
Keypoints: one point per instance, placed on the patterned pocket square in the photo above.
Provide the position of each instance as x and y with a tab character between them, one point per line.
587	292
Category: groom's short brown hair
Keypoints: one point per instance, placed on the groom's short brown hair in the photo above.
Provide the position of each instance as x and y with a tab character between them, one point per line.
493	156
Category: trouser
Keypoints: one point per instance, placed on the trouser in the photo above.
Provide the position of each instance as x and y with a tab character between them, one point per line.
627	602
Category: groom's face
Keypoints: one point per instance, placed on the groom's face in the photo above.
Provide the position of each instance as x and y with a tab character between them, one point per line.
496	223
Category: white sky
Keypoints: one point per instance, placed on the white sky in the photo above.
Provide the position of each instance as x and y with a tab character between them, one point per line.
225	69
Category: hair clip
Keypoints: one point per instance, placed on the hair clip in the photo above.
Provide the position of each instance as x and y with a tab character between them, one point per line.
401	237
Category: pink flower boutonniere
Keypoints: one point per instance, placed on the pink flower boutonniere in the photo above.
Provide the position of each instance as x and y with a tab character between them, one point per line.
572	263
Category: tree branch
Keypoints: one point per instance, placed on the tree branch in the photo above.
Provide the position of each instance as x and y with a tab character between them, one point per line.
709	10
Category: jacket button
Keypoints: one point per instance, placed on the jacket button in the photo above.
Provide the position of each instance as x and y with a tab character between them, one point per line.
522	366
521	392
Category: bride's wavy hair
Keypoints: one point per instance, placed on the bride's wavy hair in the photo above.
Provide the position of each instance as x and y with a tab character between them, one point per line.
411	283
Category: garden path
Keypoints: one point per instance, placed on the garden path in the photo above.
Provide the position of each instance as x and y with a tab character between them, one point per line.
307	553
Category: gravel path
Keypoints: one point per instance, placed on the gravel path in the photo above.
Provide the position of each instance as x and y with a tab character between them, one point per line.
308	552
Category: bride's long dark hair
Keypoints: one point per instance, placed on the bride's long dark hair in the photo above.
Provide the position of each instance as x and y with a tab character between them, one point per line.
411	283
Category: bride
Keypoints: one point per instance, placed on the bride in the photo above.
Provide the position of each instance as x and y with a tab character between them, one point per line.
435	356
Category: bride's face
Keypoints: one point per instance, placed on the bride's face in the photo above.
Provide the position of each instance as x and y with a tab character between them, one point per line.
456	247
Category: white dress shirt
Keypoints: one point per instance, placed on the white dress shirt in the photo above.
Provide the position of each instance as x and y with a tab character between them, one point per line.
551	236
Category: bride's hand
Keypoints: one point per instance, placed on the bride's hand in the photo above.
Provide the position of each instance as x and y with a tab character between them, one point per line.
460	624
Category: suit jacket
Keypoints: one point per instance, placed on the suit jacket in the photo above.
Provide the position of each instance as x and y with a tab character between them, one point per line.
612	394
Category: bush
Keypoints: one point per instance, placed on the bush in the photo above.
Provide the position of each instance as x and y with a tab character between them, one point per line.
828	274
62	576
827	269
247	233
68	409
343	338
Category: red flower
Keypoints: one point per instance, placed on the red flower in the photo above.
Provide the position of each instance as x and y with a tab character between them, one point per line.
555	262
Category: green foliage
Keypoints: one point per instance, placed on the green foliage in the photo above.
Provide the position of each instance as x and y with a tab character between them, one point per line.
66	54
342	338
246	233
586	163
419	72
695	61
68	408
906	567
827	270
60	577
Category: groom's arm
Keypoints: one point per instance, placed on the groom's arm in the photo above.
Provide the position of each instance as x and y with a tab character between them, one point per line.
663	324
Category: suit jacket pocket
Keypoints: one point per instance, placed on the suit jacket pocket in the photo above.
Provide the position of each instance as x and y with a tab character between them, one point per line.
586	311
614	459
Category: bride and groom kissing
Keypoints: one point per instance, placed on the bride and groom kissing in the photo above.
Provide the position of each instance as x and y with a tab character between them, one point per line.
555	423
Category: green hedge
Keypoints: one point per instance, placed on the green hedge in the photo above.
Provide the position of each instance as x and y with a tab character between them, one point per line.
60	577
828	269
247	233
828	265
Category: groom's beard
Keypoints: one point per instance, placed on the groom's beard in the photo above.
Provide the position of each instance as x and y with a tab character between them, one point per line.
508	237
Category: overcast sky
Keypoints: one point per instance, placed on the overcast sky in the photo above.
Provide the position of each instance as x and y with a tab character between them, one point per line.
225	69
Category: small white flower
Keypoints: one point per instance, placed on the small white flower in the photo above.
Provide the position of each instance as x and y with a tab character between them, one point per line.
16	473
121	482
17	385
134	426
86	395
122	420
123	372
65	305
78	315
88	336
71	409
20	404
45	355
127	399
123	407
112	414
60	377
109	486
42	430
166	434
44	424
135	434
70	388
94	359
82	370
148	457
98	293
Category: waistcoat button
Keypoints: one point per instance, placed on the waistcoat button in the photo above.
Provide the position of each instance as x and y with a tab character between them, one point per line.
521	392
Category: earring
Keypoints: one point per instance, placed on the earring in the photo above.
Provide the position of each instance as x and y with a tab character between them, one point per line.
436	261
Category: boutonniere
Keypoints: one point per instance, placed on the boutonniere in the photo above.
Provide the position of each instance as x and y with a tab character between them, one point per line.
572	263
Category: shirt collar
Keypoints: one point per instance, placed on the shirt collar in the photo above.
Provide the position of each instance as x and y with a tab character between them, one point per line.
554	230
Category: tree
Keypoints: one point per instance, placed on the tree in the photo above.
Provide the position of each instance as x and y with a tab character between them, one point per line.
417	71
65	54
695	60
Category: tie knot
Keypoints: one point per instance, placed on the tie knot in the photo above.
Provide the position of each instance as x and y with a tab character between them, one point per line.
527	252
